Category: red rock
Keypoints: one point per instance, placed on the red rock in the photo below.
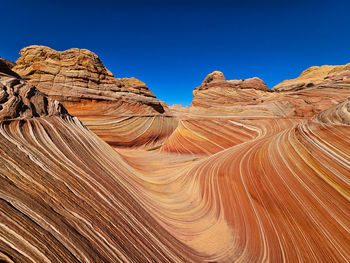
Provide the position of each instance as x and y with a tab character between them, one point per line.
252	98
241	179
117	110
312	76
22	100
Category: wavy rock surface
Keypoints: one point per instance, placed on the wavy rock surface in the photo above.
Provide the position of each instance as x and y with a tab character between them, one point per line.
66	196
221	97
312	76
222	188
281	196
209	135
105	104
338	114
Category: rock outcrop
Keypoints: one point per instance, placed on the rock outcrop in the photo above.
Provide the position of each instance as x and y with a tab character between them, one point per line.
338	114
8	63
74	73
235	182
217	79
252	98
19	99
116	109
313	76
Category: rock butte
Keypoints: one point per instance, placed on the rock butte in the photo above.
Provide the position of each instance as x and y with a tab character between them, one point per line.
122	111
248	175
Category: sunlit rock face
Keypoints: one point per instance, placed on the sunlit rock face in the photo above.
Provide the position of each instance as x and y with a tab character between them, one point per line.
66	195
338	114
315	75
22	100
107	105
224	186
252	98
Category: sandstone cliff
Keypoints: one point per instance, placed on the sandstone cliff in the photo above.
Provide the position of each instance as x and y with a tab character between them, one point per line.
122	111
252	98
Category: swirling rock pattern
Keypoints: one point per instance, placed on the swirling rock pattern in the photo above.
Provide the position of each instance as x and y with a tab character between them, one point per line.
65	197
88	90
208	135
338	114
222	188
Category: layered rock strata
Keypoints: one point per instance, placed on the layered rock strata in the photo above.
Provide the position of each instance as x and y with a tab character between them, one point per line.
66	195
21	100
313	76
251	97
107	105
239	188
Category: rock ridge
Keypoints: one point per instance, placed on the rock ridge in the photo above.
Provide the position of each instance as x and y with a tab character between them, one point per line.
20	100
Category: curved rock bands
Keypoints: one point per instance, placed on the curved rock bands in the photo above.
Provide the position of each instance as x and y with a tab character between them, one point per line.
281	197
339	114
246	176
209	135
66	197
88	90
279	193
146	132
124	123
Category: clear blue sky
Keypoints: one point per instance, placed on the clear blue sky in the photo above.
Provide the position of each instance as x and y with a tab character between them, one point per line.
173	45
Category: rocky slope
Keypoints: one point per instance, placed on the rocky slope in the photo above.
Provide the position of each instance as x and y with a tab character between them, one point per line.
252	98
21	100
313	76
67	196
226	186
269	189
107	105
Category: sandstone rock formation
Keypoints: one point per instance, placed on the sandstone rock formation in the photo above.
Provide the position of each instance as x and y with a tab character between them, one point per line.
252	98
232	183
8	63
78	73
121	111
338	114
313	76
22	100
65	195
217	79
266	181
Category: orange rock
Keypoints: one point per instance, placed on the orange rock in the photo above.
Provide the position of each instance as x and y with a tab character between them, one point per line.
124	112
22	100
252	98
241	179
312	76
